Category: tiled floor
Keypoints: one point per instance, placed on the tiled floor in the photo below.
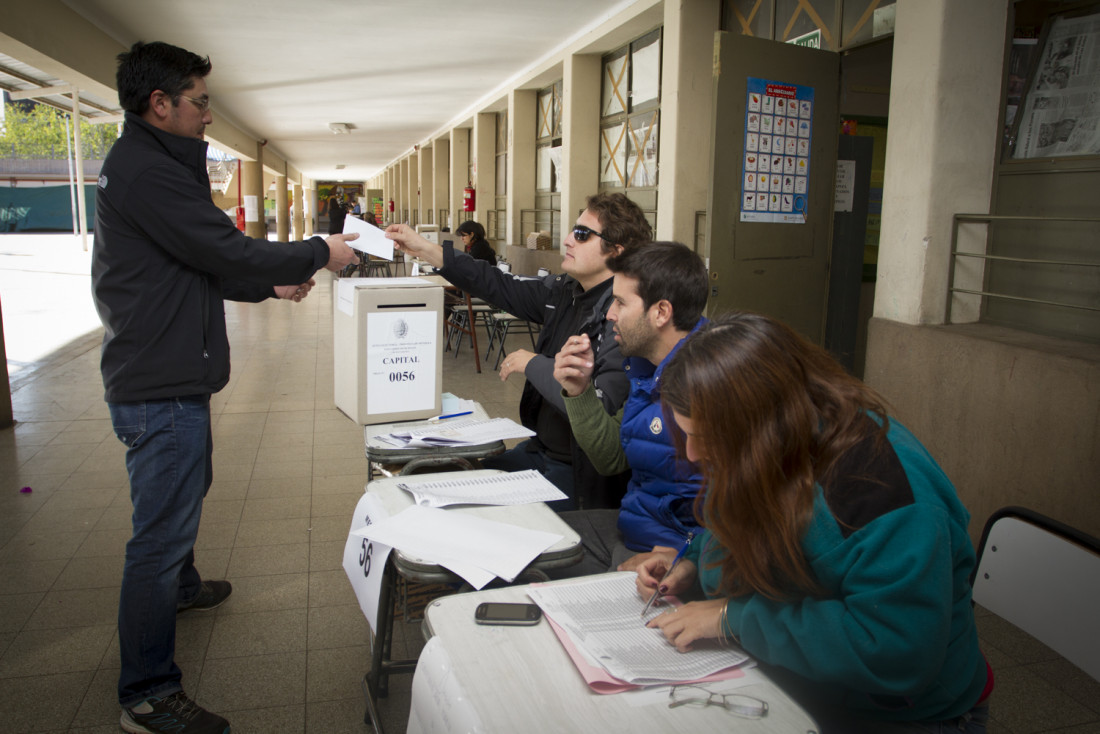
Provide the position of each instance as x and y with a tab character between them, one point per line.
287	652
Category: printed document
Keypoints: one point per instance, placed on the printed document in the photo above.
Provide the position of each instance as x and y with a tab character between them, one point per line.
511	488
471	432
602	616
474	548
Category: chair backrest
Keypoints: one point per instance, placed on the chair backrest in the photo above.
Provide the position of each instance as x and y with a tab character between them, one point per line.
1044	577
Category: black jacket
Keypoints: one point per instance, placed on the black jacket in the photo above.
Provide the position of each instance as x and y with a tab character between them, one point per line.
163	260
558	303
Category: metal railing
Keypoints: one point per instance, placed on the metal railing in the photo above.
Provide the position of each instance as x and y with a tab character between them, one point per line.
541	220
990	219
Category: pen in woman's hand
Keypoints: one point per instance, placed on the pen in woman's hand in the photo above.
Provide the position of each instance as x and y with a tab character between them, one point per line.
657	591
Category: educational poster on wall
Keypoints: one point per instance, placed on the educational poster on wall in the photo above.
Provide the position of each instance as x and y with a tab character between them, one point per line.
775	167
401	361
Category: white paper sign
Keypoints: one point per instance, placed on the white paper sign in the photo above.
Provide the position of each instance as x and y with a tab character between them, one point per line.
401	361
251	209
845	186
364	559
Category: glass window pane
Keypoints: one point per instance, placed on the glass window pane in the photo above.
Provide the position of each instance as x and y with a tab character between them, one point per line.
502	132
614	86
542	168
645	85
613	155
641	160
502	175
544	119
555	159
558	109
794	18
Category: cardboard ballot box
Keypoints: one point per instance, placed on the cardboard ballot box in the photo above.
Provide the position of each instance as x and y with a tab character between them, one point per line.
386	338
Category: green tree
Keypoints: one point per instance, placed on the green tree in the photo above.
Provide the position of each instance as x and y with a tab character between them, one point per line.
39	132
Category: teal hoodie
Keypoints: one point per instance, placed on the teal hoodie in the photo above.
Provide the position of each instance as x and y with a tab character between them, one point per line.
893	637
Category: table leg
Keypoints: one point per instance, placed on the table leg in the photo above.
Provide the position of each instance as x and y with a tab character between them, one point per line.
376	681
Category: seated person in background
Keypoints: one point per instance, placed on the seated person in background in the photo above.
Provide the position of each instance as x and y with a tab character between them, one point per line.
566	305
659	293
835	551
473	238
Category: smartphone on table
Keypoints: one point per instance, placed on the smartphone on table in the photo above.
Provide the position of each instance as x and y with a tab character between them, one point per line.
507	613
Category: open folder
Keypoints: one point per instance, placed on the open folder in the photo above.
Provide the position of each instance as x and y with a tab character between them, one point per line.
599	621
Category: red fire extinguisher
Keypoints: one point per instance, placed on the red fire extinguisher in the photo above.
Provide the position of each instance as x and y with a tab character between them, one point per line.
391	206
469	198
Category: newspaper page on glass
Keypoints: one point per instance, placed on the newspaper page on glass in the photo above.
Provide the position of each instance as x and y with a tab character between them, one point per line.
1061	114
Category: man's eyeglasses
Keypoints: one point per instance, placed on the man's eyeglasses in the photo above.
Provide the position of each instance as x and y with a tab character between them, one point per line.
203	103
581	233
734	703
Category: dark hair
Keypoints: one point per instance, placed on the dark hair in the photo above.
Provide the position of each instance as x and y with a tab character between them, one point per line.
621	220
772	414
147	67
667	271
471	227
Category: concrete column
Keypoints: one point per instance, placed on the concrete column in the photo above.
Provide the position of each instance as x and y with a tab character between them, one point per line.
282	209
402	201
7	417
940	153
309	205
252	185
484	149
459	171
441	176
522	109
412	187
299	212
424	188
580	135
686	88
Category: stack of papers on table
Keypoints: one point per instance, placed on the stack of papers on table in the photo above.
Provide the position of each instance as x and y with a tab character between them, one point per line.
470	432
510	488
599	621
476	549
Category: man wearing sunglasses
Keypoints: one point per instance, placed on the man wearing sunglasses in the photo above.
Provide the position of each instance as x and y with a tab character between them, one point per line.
566	305
165	258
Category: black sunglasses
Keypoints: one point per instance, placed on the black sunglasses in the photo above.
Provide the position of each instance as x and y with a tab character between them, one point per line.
581	233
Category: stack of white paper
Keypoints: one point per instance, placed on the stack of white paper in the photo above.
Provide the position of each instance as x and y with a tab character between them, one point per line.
476	549
509	488
603	618
471	432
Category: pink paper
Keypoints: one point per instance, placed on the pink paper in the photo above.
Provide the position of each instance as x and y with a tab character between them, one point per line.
600	681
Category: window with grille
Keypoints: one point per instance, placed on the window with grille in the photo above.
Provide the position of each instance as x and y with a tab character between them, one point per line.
630	110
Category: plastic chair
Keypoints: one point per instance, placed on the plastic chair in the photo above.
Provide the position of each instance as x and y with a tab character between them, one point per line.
1044	577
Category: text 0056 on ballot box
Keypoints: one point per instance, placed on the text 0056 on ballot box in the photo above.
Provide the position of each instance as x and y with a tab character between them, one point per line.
387	349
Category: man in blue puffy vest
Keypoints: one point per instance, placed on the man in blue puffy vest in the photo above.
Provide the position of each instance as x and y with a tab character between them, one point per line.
658	296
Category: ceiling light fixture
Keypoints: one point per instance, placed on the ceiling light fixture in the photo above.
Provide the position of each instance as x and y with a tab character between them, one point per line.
339	128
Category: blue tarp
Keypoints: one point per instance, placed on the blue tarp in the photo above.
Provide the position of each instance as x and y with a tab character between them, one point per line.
43	209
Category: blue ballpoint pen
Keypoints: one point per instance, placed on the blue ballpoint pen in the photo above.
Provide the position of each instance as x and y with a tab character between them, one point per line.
450	415
657	591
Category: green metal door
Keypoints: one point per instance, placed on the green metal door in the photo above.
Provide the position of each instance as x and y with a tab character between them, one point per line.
768	232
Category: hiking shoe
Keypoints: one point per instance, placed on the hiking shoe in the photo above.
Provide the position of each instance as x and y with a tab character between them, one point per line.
175	713
210	596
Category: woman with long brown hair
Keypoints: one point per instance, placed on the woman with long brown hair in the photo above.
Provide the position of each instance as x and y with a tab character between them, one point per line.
835	549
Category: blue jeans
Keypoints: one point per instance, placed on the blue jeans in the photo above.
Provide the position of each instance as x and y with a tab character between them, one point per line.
524	456
168	458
